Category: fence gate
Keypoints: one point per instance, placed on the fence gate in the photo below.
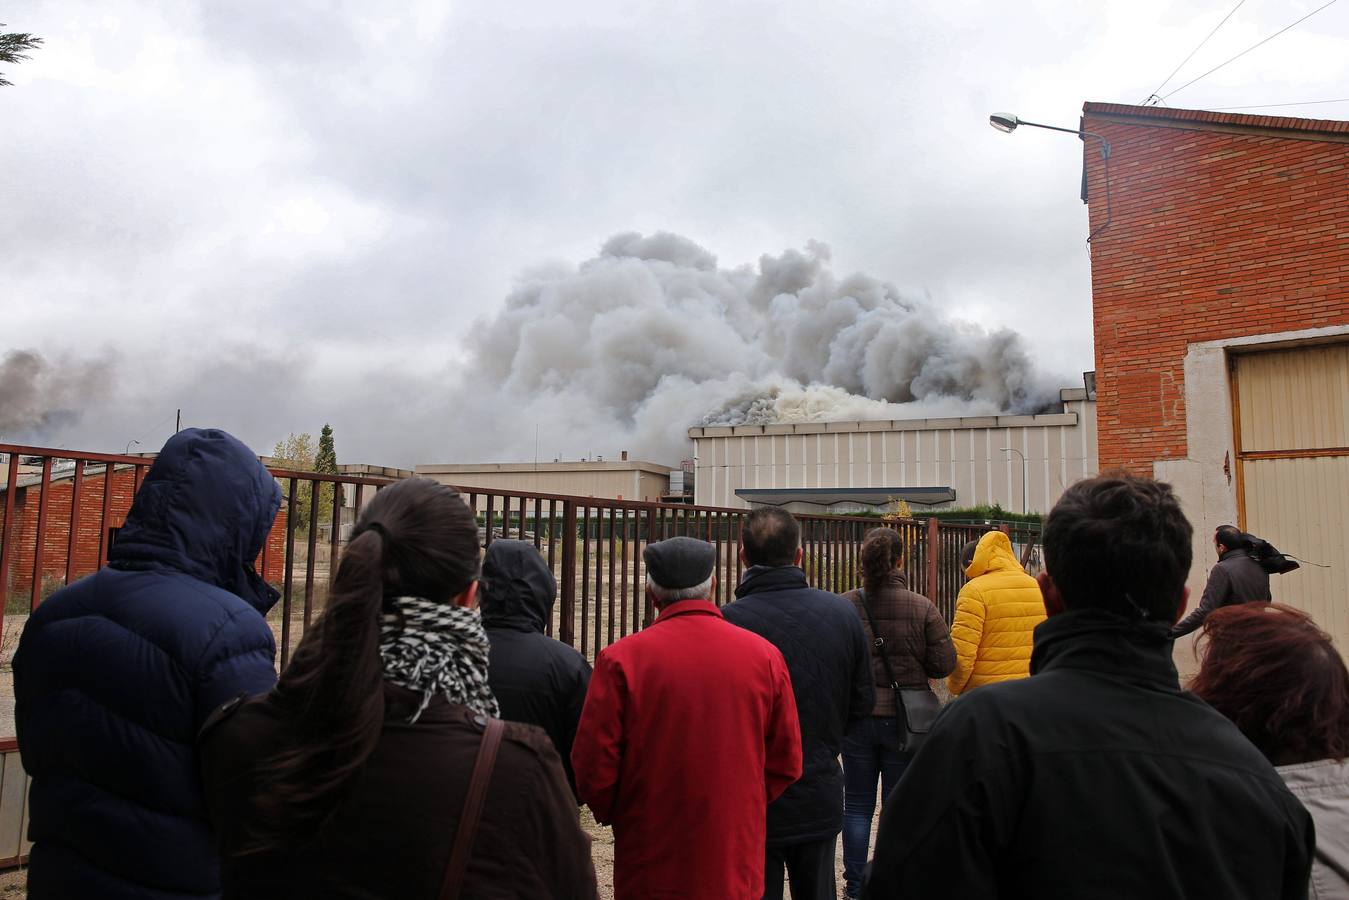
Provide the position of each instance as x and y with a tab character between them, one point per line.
1291	416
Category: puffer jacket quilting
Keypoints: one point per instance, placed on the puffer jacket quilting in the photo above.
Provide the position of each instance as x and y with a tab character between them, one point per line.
820	636
116	673
996	615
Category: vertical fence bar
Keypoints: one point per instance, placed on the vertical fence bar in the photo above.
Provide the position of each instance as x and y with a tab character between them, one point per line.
933	549
40	538
140	478
552	538
312	549
335	536
487	522
288	581
7	533
623	578
723	567
599	577
538	531
567	625
108	473
585	582
72	542
613	548
654	515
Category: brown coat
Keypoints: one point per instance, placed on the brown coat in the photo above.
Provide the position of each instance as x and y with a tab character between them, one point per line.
916	638
392	834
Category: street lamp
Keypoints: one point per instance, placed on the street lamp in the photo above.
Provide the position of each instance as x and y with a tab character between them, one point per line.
1008	122
129	445
1025	502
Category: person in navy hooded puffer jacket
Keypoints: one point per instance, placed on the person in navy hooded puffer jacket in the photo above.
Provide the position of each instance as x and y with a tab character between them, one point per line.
116	673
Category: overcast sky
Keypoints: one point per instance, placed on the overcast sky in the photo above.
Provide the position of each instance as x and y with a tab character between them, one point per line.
274	215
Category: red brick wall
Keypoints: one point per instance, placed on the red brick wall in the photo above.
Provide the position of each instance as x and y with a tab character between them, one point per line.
89	529
1213	235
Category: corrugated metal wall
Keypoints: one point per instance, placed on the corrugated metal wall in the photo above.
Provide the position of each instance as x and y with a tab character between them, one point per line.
1293	448
963	454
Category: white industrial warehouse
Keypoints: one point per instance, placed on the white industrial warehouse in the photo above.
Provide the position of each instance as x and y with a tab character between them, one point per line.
1022	463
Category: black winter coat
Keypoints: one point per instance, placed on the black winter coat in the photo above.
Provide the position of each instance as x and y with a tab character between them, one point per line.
1097	777
536	679
116	673
1236	578
820	636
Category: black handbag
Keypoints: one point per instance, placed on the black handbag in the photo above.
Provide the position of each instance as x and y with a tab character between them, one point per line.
916	709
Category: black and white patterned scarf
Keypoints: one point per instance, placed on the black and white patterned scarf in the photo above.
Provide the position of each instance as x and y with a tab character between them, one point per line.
437	648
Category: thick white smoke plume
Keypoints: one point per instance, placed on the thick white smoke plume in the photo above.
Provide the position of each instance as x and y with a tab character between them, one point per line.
632	347
37	395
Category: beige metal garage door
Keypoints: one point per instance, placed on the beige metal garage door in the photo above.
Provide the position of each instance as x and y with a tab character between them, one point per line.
1292	423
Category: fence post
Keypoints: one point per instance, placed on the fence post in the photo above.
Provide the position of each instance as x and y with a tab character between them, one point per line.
567	633
932	552
653	514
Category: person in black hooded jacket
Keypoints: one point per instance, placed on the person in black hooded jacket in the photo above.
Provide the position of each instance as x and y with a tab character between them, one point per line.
536	679
821	638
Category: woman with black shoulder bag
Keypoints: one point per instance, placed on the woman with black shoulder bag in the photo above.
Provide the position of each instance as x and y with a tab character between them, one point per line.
910	643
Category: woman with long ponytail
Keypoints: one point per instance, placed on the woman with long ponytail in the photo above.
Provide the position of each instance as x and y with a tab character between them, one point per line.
350	779
916	644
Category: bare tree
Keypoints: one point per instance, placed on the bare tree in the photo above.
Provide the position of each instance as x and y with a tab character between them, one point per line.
15	47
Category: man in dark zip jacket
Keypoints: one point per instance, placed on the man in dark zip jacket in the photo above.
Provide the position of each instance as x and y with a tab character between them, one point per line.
116	673
535	679
1236	578
1096	777
820	636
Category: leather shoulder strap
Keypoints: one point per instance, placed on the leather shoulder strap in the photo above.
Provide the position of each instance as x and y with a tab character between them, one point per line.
473	802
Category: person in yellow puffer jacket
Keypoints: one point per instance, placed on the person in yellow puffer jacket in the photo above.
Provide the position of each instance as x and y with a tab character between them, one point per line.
996	614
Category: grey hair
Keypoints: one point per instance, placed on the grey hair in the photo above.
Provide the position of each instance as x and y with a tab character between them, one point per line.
670	595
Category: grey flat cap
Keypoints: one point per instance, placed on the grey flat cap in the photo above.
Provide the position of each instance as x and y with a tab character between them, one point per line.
679	562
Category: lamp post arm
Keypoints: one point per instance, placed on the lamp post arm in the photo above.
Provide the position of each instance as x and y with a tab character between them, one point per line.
1050	127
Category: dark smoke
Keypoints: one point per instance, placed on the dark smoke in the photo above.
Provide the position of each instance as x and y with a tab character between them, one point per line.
37	396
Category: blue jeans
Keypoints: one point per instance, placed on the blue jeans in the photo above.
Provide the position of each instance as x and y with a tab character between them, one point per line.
870	750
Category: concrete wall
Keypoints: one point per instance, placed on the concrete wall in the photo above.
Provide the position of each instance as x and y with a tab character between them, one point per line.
610	480
962	453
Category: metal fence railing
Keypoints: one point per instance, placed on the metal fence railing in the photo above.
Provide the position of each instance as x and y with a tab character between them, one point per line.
60	511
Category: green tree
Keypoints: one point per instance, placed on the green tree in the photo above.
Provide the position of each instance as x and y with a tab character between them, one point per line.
296	453
15	47
325	461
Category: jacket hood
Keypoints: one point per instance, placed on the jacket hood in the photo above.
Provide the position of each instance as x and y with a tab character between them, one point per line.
518	588
204	510
994	554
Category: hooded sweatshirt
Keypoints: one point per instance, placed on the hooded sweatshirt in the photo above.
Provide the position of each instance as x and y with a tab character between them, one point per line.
536	679
996	615
116	673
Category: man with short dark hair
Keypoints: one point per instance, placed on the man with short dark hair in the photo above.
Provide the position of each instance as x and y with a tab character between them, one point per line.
1237	578
1097	776
820	635
688	732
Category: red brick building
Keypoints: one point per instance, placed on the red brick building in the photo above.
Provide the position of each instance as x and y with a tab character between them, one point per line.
1220	287
91	529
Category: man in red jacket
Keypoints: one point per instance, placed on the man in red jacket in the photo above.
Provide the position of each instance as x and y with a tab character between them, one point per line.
689	731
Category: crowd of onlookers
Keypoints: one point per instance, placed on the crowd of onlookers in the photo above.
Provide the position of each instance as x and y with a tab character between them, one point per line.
429	740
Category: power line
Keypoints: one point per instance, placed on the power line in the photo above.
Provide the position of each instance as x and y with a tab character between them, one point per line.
1249	49
1273	105
1153	95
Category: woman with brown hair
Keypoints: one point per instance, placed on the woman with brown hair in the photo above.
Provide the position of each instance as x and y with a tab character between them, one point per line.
1278	677
352	777
910	643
